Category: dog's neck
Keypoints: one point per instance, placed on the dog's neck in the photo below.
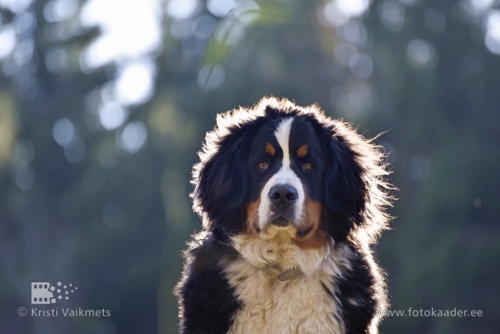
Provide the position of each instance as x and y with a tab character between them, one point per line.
279	257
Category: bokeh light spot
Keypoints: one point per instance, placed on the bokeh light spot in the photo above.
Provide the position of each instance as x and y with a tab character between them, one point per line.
221	7
482	5
74	151
24	23
24	151
16	6
130	32
181	28
343	53
352	8
23	51
392	15
112	115
25	178
7	41
133	137
182	9
135	82
422	53
211	77
361	65
58	10
63	131
353	32
492	37
204	26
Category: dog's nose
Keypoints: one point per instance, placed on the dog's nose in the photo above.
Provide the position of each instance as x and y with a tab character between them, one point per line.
283	195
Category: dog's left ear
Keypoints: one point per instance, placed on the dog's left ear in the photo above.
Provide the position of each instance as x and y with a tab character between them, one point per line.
220	182
345	190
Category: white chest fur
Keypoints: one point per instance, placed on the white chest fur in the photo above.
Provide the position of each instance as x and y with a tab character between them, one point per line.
301	305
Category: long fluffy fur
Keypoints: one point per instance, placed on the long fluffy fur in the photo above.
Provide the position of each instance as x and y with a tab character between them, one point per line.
222	261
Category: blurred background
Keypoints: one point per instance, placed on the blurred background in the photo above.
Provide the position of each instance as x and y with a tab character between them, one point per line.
104	104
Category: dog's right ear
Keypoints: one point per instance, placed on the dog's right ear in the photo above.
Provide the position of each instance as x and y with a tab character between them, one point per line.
220	182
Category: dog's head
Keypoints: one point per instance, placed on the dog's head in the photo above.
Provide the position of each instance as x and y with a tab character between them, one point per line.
282	168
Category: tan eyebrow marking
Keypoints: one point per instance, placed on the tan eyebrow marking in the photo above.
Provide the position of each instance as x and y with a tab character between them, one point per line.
302	151
270	149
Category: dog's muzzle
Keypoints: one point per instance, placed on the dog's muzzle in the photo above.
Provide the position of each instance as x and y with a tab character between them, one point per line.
282	197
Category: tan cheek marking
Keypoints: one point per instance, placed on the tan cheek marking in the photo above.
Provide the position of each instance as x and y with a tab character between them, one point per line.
302	151
252	220
270	149
315	239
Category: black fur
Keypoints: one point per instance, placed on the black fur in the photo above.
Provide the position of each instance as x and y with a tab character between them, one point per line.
348	181
208	302
358	285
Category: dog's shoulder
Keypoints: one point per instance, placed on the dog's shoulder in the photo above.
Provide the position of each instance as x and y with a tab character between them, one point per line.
205	296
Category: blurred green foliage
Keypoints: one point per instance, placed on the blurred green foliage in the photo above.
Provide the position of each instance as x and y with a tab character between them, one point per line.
85	202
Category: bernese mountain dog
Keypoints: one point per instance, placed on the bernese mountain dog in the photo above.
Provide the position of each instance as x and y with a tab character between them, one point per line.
291	201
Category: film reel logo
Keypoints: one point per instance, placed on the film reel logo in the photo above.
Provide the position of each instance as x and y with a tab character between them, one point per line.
46	293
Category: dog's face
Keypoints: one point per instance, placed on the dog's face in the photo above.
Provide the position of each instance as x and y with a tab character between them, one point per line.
286	165
288	170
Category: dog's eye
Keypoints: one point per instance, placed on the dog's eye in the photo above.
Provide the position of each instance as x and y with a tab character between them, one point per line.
307	166
263	165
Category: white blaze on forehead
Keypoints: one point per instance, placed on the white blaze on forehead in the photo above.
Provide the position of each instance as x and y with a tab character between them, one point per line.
283	137
284	176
